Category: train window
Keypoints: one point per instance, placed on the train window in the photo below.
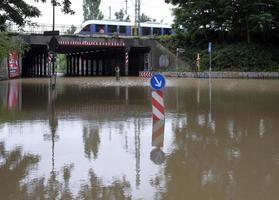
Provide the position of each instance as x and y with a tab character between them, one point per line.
100	28
156	31
112	28
167	31
122	29
86	28
146	31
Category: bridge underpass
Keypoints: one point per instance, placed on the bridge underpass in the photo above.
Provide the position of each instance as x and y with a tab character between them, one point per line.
86	60
96	56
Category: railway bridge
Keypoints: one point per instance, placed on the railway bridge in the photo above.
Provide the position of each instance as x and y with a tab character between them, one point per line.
95	56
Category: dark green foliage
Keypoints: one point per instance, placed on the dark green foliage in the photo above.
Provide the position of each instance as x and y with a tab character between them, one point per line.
226	57
71	30
225	20
8	45
91	10
120	15
242	57
20	12
245	33
144	18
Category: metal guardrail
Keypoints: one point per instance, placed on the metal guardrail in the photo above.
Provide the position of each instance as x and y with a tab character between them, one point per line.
40	28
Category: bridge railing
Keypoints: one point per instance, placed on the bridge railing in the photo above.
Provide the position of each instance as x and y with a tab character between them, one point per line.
40	28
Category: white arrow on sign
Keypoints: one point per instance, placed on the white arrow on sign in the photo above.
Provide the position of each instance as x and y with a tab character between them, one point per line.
158	83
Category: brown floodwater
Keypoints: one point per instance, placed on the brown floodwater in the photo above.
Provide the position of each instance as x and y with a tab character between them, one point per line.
94	138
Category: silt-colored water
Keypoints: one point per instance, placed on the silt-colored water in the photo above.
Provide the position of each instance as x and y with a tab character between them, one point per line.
94	138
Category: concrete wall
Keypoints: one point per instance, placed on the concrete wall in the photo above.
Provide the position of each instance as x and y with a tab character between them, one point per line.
3	69
160	56
255	75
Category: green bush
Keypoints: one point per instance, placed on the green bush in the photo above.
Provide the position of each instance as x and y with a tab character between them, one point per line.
242	57
225	57
8	45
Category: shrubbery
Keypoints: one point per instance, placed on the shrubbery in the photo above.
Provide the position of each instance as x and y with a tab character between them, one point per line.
242	57
226	57
8	45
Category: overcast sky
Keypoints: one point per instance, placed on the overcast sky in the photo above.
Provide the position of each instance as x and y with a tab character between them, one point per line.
157	9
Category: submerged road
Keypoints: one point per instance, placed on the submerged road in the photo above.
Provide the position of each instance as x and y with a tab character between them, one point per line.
93	138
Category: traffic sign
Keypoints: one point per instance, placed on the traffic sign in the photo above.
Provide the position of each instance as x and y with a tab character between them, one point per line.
157	81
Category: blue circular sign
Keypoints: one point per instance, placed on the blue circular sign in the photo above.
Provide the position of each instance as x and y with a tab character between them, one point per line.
157	81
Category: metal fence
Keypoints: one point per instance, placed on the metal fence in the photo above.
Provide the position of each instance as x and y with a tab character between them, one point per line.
40	28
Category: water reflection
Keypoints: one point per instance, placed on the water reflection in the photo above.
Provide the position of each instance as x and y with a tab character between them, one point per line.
119	189
91	140
158	129
15	166
85	141
237	161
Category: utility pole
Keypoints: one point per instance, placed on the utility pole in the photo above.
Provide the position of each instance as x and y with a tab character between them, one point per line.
110	12
137	14
126	11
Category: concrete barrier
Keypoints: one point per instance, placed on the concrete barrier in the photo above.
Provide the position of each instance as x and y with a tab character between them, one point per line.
248	75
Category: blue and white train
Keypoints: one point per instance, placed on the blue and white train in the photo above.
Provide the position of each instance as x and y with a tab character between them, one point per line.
111	27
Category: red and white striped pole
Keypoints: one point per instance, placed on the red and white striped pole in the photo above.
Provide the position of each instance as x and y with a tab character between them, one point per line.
158	108
158	133
127	62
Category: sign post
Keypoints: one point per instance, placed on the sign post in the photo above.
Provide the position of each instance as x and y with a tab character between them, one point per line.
158	82
209	51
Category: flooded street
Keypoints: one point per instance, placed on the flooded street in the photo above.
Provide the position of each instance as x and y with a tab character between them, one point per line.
93	138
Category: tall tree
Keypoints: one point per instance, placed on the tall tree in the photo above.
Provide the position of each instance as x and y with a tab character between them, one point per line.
144	18
240	18
91	10
120	15
20	12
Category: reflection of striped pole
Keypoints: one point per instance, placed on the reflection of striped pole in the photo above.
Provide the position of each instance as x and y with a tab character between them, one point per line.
158	133
126	63
158	108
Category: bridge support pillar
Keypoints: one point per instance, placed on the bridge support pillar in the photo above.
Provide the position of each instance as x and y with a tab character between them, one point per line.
45	64
74	65
33	67
37	65
127	62
82	65
41	65
78	64
68	59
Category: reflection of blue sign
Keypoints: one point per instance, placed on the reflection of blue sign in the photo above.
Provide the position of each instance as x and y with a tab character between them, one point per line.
157	81
209	47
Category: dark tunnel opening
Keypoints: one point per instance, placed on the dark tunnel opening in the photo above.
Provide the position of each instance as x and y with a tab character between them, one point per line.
85	61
